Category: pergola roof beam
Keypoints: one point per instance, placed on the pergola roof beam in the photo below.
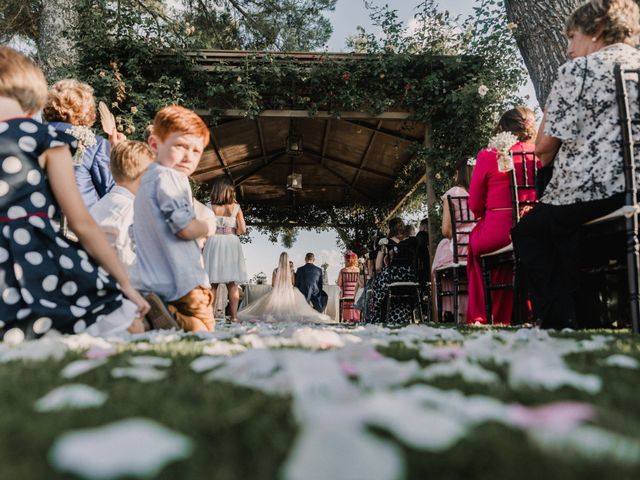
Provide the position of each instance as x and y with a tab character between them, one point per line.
311	153
238	113
256	170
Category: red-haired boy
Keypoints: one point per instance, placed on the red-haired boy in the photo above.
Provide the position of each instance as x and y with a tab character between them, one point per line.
165	227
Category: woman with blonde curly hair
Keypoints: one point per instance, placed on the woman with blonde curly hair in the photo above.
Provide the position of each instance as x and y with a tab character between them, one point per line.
580	135
71	106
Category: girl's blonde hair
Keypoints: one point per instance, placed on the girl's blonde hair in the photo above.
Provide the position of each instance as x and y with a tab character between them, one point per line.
22	80
222	192
619	20
72	102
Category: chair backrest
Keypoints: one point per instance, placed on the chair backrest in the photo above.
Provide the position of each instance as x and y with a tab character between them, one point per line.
349	281
462	221
526	168
627	121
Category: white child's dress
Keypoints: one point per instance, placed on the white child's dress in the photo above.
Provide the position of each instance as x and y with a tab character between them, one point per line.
223	257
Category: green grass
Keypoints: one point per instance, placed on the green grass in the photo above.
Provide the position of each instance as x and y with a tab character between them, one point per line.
243	434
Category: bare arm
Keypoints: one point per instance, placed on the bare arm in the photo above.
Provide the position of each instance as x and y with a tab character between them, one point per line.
241	226
546	146
196	229
379	259
59	167
447	230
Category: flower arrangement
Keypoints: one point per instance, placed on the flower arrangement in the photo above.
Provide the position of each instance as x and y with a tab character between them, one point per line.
471	161
86	138
502	143
383	242
483	90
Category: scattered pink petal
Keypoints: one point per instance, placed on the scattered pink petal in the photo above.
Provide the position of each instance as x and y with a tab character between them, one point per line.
375	355
560	416
98	353
349	369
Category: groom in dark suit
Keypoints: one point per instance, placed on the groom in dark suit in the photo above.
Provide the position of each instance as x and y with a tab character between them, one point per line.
309	282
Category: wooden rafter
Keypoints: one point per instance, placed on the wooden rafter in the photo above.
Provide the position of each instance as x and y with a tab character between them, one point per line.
404	199
216	148
366	153
256	170
237	113
344	181
383	131
312	153
261	137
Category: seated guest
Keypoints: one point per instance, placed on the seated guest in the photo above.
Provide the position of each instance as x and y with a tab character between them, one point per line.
169	261
423	258
490	200
396	264
71	104
349	288
581	136
444	251
114	212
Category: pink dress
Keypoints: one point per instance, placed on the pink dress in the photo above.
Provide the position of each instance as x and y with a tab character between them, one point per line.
444	255
490	199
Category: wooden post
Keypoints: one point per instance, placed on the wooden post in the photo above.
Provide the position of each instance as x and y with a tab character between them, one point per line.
431	209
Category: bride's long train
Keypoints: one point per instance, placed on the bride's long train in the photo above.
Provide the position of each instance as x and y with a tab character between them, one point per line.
284	303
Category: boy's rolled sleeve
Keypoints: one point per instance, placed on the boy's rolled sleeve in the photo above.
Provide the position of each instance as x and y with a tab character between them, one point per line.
174	200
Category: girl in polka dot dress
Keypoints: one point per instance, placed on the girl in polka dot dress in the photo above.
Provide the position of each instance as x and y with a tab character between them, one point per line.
46	281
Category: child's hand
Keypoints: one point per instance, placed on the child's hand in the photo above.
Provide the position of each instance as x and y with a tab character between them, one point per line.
133	295
116	137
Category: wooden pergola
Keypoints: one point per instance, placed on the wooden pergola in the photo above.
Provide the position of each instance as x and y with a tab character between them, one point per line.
353	158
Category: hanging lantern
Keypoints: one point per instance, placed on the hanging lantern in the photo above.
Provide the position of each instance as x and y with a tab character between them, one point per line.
294	143
294	182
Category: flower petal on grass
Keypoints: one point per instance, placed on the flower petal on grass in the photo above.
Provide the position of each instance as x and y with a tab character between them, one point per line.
141	374
149	361
77	368
71	396
206	363
622	361
328	451
133	447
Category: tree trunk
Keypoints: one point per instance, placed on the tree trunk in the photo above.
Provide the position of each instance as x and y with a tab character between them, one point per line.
56	47
540	37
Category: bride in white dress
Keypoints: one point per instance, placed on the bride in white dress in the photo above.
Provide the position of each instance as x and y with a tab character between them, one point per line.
284	303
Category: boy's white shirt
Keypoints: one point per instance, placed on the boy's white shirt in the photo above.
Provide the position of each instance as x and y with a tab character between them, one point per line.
114	214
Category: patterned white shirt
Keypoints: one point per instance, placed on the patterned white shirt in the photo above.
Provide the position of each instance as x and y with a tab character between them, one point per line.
582	112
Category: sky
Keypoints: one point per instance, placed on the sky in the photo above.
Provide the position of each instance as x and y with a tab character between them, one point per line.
261	255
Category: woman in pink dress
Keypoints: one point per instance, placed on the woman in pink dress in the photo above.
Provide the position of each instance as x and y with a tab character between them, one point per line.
444	252
490	200
349	288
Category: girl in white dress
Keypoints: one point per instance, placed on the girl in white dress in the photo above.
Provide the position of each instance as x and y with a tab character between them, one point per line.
284	303
223	257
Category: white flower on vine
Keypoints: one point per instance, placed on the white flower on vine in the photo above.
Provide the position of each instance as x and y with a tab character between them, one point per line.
471	161
502	143
438	176
86	138
483	90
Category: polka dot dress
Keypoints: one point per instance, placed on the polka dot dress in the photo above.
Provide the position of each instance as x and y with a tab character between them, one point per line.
46	281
